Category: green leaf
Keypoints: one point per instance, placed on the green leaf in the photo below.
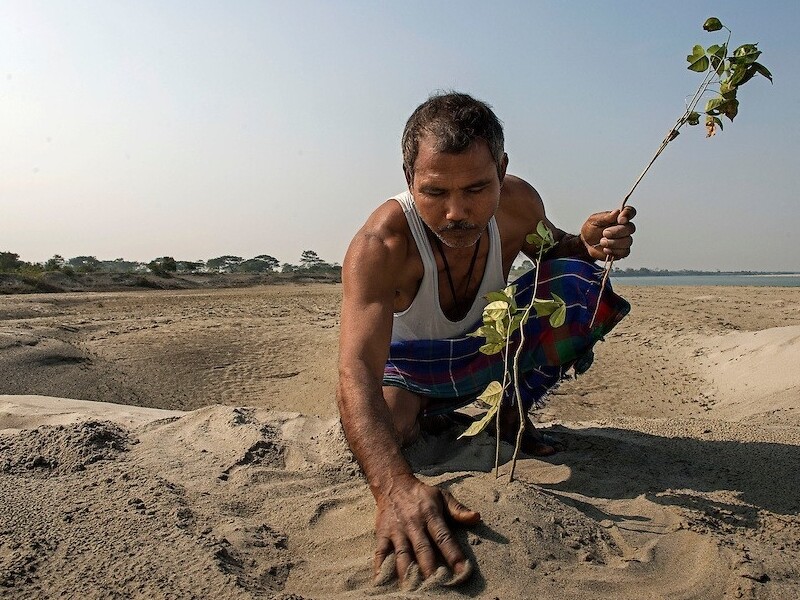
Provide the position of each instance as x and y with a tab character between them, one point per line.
492	394
762	70
730	109
496	310
542	230
751	70
544	307
489	332
712	106
739	72
725	86
712	24
558	317
693	118
560	314
479	332
496	297
501	328
479	426
745	54
698	61
716	55
491	348
717	122
546	234
534	240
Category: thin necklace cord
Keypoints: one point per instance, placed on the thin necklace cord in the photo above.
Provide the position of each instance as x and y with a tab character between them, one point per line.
449	274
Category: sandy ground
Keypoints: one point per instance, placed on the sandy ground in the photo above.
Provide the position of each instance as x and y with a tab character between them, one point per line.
679	479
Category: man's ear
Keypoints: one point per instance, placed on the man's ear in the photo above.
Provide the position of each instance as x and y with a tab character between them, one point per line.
409	177
503	168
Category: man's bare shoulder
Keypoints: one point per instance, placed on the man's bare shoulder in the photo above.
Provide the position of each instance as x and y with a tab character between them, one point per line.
520	200
385	230
382	254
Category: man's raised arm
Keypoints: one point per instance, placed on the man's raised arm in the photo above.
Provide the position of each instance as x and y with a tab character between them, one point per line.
410	517
603	235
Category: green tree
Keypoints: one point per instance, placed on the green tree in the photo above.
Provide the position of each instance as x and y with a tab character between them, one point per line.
271	262
120	265
55	264
84	264
259	264
9	262
189	266
164	266
224	264
310	259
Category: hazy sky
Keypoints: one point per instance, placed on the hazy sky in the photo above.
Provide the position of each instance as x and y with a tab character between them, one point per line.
194	129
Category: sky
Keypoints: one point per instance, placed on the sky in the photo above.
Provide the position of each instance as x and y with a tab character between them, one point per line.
139	129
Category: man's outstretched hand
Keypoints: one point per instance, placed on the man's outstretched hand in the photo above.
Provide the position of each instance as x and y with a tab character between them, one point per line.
609	234
411	522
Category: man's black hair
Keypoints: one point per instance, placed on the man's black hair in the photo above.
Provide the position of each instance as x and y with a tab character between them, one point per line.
454	121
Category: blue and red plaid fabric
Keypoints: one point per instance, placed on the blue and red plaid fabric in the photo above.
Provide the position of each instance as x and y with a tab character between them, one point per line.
452	372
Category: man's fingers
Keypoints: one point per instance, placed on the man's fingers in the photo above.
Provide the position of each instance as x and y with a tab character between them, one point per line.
626	215
604	219
448	546
616	243
383	550
458	512
426	557
403	557
619	231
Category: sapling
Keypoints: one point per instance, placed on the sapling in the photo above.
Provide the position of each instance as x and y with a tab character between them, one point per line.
501	319
724	75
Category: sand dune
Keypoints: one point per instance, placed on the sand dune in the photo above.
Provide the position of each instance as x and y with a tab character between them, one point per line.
753	372
678	480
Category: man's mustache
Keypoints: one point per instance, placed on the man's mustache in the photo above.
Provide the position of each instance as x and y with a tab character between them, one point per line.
458	226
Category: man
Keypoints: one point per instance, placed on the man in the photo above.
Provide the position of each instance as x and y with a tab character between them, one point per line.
414	275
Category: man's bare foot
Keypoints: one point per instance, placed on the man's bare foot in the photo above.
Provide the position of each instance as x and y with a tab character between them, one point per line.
534	442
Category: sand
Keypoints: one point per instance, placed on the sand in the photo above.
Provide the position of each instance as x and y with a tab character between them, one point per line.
185	444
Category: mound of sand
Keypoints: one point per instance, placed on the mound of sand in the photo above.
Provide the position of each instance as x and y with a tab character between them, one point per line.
230	502
753	372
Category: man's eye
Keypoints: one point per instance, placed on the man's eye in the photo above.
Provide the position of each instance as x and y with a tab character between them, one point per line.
476	190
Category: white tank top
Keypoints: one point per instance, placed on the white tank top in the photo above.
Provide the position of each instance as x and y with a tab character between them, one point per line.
424	319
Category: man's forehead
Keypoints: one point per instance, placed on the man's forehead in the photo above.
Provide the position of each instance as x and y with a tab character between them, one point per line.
475	158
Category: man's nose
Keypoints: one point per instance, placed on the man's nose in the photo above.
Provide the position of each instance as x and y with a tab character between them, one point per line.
456	210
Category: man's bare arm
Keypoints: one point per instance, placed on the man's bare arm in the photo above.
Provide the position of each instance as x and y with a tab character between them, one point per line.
366	327
410	516
603	235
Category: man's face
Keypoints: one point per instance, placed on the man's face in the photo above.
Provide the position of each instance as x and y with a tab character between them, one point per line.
456	194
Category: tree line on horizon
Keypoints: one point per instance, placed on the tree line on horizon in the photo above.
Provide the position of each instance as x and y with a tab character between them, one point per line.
166	266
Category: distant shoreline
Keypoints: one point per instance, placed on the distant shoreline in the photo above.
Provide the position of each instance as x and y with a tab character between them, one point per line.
653	273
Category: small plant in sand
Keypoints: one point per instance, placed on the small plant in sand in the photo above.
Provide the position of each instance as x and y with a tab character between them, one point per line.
724	74
501	319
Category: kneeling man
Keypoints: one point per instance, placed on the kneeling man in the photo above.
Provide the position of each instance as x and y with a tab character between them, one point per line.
414	279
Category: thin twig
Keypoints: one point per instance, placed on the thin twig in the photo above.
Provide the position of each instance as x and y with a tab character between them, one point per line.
500	404
517	354
708	80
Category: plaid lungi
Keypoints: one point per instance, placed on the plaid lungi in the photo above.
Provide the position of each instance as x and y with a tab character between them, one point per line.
453	372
